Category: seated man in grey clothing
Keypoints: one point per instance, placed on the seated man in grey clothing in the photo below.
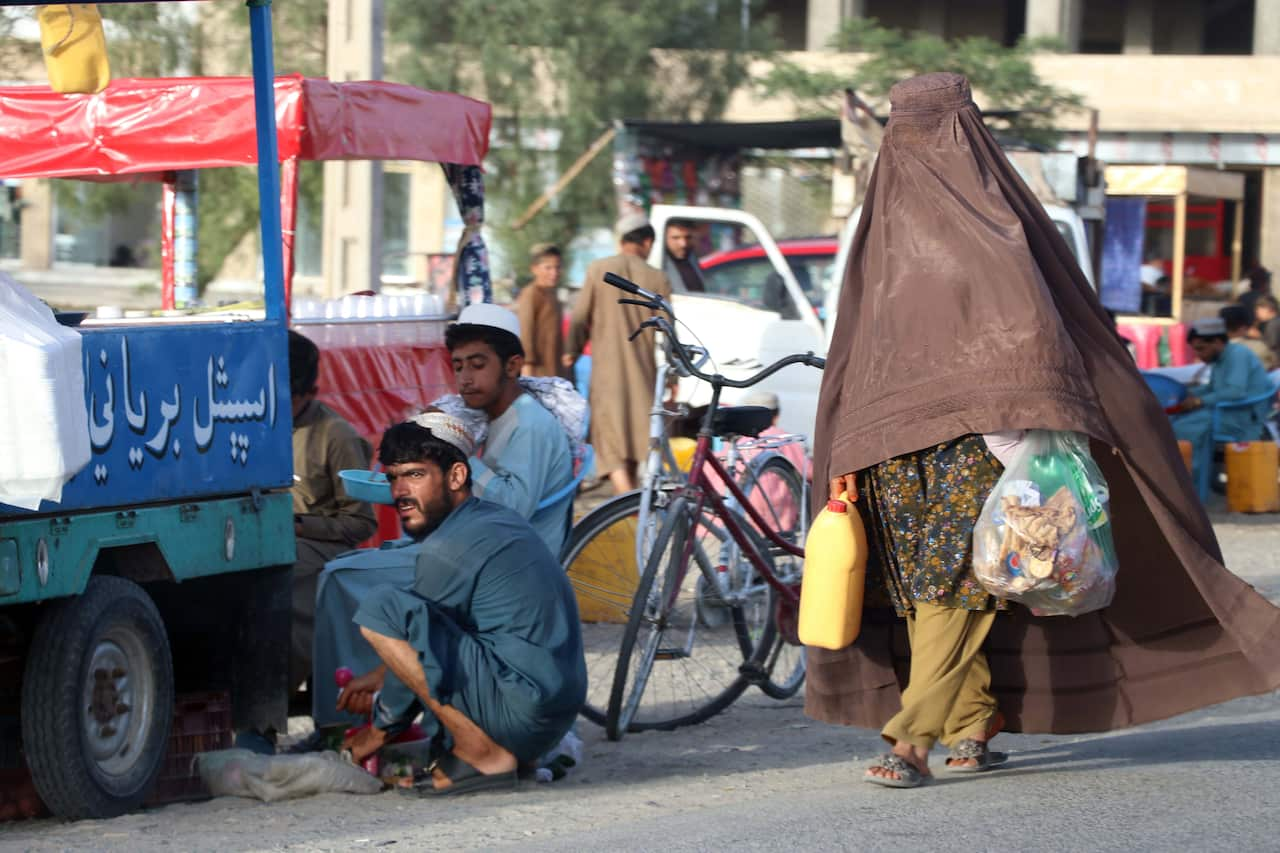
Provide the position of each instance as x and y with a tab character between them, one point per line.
486	640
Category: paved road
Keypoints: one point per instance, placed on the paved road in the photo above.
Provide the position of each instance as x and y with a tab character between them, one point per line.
763	777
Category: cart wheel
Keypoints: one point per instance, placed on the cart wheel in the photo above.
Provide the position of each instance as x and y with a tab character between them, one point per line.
97	700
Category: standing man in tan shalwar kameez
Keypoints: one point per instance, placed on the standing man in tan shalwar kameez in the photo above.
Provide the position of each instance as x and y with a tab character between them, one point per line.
622	372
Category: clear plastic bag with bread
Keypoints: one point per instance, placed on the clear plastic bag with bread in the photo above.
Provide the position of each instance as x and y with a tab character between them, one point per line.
1044	536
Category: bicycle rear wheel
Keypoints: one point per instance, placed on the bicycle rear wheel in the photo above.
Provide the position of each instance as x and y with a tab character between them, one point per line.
775	488
675	668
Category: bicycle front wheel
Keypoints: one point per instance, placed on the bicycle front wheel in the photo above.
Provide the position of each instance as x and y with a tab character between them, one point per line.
675	667
600	559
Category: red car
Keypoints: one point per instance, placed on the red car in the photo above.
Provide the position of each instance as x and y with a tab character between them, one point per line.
743	272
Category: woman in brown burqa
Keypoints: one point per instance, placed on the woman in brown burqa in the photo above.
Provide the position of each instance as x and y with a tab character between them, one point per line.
963	315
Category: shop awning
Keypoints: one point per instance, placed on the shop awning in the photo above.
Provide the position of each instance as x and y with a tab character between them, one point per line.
724	135
143	127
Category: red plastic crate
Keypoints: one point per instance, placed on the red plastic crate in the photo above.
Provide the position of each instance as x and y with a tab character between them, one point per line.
201	723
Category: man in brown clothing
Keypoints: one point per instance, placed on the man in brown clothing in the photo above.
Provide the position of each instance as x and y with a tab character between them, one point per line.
326	522
622	371
538	309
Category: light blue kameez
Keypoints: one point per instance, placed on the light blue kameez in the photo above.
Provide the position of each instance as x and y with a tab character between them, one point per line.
1237	375
525	458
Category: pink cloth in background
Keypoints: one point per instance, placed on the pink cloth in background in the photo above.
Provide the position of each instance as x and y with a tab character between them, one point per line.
772	494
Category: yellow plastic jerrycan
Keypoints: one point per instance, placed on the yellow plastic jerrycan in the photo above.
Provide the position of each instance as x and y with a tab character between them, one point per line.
835	568
75	50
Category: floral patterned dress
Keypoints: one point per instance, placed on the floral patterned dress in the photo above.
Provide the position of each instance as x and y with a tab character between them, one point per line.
919	510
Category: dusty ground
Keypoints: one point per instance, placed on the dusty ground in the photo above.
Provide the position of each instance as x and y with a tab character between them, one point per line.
763	777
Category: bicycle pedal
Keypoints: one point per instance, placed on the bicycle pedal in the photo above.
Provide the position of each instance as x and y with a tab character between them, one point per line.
670	654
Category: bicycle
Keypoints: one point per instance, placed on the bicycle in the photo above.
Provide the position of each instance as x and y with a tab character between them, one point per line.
600	559
732	623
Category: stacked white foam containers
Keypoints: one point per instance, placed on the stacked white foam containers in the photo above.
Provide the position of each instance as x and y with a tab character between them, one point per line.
44	430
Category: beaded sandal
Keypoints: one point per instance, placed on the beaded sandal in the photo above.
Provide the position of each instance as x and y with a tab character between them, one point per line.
975	750
909	776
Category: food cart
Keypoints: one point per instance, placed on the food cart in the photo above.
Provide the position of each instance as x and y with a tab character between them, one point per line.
163	568
1184	189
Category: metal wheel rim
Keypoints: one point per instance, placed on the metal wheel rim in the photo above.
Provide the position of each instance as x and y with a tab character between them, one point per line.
118	700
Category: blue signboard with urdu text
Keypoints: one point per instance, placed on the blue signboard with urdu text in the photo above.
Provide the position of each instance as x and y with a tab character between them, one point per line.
182	411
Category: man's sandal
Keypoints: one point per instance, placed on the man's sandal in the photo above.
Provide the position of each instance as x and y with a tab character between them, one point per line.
464	779
976	751
909	776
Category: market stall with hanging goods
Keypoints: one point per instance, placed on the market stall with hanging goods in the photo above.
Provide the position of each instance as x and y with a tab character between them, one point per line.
1151	277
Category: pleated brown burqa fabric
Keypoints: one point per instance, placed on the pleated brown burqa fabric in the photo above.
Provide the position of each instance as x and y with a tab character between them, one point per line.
963	311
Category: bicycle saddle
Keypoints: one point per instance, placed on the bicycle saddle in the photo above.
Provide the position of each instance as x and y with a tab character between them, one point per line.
742	420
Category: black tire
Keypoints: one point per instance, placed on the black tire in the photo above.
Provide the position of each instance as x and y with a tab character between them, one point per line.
784	664
776	468
695	692
89	758
597	557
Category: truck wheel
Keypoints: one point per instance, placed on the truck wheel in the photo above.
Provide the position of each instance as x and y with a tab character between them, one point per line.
97	700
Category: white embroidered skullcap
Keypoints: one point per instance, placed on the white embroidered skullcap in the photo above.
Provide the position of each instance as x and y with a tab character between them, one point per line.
448	429
488	314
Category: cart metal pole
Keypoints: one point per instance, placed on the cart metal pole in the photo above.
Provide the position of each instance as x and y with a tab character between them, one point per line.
264	100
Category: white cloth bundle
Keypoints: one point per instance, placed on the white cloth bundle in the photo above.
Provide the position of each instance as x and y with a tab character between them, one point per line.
44	429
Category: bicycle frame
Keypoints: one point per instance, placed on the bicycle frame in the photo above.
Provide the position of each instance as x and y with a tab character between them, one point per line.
702	456
707	494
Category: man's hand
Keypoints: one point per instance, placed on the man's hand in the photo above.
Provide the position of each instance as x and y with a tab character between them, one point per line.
568	359
1190	404
365	742
357	696
845	484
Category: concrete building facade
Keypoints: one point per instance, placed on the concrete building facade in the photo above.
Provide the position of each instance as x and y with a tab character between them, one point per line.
1179	82
1182	82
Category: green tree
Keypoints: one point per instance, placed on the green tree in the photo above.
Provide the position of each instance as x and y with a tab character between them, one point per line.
228	199
1015	97
560	72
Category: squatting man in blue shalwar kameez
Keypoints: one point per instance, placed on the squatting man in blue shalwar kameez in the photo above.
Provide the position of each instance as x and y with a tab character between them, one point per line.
1237	375
525	456
487	641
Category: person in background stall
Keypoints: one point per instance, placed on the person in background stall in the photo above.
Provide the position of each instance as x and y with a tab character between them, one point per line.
622	371
1266	310
1259	278
1239	324
326	521
679	262
540	313
1237	375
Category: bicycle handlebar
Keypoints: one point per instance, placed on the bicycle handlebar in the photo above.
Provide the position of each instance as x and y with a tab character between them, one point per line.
657	303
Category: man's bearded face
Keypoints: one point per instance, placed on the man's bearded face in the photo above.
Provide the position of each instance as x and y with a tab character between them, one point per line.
422	496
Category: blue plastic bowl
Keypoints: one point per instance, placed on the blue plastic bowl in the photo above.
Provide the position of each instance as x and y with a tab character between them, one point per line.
370	486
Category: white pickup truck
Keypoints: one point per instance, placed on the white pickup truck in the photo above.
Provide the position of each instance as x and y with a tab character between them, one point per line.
745	328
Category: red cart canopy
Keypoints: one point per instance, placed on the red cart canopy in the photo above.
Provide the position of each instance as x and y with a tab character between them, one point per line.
140	127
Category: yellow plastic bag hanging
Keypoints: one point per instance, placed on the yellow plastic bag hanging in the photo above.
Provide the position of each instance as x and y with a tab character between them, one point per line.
74	47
